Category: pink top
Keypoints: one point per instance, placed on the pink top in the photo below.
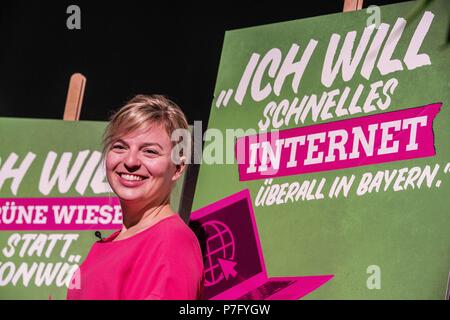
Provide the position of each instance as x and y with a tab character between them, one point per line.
161	262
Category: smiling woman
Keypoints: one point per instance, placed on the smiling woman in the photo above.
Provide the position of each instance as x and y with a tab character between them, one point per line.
155	255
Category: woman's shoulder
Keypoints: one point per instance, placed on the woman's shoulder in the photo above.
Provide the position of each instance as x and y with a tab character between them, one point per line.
173	230
174	240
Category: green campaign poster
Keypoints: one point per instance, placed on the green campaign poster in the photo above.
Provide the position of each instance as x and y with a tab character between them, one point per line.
338	127
54	196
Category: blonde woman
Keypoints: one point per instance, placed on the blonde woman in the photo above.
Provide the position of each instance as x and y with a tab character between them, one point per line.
155	255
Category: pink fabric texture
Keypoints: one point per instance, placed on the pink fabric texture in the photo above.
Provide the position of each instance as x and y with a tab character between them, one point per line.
161	262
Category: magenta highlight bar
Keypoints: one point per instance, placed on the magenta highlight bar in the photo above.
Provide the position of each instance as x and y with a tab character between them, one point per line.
391	136
83	213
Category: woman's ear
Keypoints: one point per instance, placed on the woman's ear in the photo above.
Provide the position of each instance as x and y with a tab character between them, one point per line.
179	168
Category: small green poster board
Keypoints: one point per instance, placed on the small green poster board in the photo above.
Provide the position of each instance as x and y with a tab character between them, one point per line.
54	196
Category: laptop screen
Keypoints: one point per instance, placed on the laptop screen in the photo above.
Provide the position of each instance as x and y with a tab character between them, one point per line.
229	244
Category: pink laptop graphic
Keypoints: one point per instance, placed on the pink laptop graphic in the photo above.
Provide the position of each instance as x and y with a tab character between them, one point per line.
233	259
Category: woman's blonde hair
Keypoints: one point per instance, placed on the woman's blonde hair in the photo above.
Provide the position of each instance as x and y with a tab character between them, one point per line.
140	113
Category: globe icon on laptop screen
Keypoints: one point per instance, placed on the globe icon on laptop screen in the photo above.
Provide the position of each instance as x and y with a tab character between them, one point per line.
219	252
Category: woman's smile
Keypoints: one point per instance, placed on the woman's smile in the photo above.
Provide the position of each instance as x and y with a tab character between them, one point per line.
131	180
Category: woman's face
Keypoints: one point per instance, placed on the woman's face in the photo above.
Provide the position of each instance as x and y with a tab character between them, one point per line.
139	166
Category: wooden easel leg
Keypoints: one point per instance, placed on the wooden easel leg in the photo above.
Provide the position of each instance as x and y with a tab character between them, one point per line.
75	96
352	5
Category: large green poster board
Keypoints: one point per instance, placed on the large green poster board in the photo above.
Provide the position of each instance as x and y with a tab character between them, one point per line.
54	196
364	196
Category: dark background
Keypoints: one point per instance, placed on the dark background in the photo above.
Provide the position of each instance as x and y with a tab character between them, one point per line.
125	48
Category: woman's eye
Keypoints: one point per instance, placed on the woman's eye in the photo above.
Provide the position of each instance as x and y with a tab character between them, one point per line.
118	146
151	151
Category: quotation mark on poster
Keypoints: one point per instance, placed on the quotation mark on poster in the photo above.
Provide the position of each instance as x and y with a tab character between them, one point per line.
446	170
224	98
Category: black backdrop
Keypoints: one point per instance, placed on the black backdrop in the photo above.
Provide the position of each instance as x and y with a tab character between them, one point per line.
125	48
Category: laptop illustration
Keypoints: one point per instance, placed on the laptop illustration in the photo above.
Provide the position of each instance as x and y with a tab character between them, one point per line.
233	259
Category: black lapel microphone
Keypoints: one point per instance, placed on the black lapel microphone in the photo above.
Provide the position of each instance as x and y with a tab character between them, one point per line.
98	234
